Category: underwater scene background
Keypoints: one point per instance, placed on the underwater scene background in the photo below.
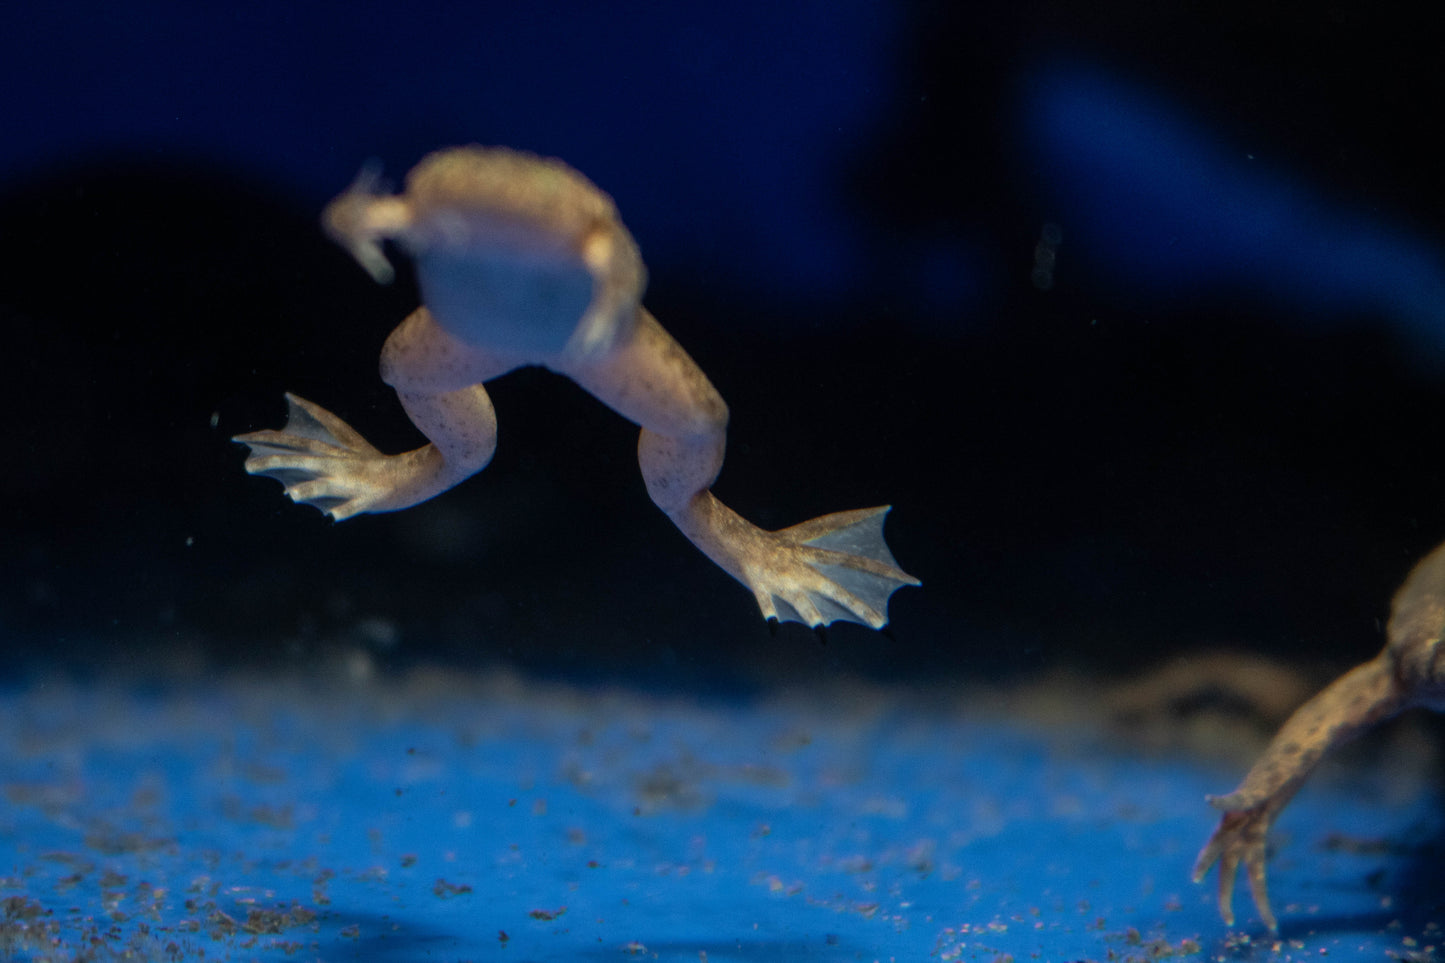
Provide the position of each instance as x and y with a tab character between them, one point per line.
1134	313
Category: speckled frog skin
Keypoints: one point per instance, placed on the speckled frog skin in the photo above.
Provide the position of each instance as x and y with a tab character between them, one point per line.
1409	672
523	261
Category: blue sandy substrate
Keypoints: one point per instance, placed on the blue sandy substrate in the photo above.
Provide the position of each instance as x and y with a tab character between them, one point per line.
441	817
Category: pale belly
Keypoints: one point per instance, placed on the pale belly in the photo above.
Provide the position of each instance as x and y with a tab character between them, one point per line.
513	304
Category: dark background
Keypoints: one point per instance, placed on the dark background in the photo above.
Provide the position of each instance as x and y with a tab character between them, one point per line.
1214	422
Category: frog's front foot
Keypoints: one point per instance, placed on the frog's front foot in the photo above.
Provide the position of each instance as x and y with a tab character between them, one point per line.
323	462
836	568
1239	838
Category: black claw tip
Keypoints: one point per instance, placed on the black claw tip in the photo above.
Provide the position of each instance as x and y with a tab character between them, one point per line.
822	634
773	627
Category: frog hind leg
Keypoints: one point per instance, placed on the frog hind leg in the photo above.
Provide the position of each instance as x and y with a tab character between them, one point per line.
836	568
324	462
858	572
300	453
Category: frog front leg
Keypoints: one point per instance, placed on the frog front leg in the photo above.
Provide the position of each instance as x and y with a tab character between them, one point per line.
833	568
322	461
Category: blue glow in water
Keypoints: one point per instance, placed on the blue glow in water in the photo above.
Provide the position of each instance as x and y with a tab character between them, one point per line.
1166	205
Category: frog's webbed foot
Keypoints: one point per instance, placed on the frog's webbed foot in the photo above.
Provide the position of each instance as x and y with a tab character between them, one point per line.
1239	838
323	462
836	568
